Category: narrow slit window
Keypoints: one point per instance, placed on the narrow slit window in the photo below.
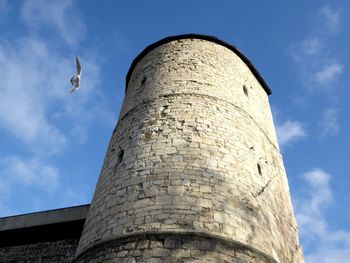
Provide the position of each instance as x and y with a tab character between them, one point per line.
120	156
245	90
143	81
259	169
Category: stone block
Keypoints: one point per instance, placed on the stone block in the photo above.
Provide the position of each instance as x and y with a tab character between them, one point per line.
172	242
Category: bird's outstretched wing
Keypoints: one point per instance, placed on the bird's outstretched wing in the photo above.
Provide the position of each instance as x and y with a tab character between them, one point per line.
78	66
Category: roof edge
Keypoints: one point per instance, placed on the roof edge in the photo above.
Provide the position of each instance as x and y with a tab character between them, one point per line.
203	37
55	216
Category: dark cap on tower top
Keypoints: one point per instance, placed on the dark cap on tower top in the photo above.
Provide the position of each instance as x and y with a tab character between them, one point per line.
204	37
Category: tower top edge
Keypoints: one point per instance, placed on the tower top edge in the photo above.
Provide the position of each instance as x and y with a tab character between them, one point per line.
201	37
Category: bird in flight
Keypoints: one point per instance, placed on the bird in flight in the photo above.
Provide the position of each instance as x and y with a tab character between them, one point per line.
75	80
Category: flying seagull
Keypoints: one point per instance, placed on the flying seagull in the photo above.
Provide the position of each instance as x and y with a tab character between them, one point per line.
75	80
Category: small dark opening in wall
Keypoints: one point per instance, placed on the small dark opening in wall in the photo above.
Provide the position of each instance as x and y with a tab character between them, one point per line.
259	169
143	81
120	156
245	90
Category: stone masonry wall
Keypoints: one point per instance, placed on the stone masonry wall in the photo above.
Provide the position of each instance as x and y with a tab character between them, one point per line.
62	251
173	249
194	151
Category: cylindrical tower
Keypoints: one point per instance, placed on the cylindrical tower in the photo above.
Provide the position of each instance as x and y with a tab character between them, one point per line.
193	172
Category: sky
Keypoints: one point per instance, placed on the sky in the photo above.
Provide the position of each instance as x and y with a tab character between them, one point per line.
52	143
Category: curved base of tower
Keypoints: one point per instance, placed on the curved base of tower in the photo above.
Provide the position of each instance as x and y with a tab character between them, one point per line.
173	247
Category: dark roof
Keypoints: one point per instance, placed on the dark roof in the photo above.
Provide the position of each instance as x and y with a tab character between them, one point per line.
204	37
58	224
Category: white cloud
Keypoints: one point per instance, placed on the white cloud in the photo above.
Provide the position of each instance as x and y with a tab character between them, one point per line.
330	18
60	16
34	84
37	113
329	123
329	255
318	68
310	46
30	172
329	72
324	245
27	83
289	131
320	195
39	184
32	178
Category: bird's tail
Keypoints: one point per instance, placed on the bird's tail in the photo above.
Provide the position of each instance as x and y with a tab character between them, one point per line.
72	90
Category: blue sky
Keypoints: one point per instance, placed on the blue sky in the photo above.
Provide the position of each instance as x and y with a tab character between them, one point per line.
52	144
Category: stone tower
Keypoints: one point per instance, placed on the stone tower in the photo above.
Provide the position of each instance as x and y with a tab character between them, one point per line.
193	172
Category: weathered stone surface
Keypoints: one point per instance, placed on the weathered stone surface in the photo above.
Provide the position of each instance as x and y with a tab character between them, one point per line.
200	155
62	251
172	247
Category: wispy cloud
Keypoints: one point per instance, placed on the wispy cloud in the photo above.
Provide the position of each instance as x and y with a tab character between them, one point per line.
18	174
61	15
319	69
35	84
309	211
330	18
29	172
37	112
328	73
289	131
326	245
25	88
329	123
309	47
